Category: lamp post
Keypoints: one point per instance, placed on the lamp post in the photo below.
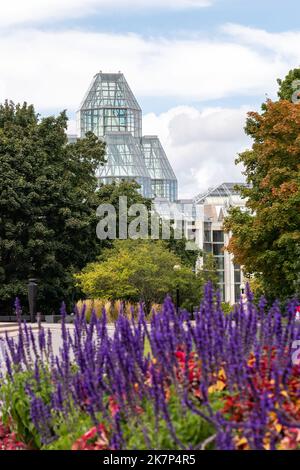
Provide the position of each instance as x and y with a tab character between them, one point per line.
176	268
32	295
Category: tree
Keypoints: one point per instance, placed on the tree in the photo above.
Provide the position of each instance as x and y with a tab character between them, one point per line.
137	270
266	237
289	85
178	246
209	270
110	193
47	205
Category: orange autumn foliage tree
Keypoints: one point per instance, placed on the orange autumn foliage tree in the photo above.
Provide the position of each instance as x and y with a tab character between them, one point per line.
266	237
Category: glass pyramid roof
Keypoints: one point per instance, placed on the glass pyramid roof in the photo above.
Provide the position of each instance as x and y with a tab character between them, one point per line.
221	190
109	89
109	105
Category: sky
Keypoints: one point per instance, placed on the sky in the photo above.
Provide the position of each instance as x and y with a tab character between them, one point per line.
196	67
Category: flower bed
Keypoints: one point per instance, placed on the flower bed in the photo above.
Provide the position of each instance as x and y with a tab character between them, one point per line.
219	382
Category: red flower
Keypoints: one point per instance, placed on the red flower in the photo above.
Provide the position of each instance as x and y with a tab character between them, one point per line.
9	441
94	439
194	370
113	406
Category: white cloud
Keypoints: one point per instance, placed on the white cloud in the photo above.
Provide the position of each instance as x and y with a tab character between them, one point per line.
284	43
201	146
53	69
31	11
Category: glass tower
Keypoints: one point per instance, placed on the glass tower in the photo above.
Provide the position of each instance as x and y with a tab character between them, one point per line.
111	111
110	106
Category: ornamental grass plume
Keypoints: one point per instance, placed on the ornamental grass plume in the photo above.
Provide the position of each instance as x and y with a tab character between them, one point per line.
228	380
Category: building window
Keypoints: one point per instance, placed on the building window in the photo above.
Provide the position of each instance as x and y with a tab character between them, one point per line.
219	260
207	235
237	292
218	236
207	247
237	277
218	249
221	287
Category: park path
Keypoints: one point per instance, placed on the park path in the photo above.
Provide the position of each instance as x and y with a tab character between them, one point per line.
55	328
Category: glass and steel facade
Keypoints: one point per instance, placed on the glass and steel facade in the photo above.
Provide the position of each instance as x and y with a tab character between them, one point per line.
111	111
110	106
124	161
163	179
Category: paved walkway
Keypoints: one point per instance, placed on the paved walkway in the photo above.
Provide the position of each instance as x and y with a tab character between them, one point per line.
55	328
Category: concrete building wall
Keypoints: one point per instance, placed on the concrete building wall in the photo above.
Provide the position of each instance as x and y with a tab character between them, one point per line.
209	211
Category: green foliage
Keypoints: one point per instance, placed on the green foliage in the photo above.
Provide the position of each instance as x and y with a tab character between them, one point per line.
47	205
190	429
266	238
178	246
68	428
209	270
15	401
190	287
110	194
226	307
143	430
286	89
137	270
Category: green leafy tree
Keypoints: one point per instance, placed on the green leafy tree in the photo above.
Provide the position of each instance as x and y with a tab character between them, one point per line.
209	270
47	205
139	270
266	237
287	87
110	193
179	246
